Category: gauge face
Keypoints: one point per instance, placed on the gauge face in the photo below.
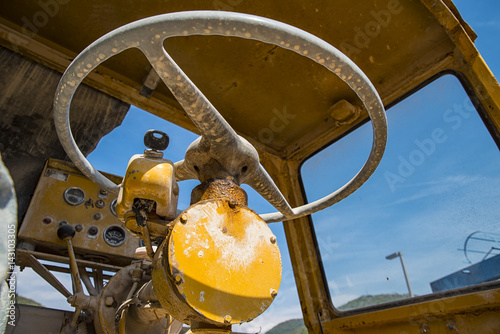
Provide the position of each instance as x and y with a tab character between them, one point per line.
112	207
74	196
114	235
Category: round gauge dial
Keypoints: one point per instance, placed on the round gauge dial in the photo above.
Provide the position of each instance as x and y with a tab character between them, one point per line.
114	235
74	196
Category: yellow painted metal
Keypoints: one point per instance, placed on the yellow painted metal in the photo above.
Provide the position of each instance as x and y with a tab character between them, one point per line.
48	209
423	39
471	313
152	179
238	75
223	262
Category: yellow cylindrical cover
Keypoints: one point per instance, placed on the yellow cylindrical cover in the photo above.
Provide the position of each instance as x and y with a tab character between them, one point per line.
152	179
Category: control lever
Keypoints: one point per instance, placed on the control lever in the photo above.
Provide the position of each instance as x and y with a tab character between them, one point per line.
66	232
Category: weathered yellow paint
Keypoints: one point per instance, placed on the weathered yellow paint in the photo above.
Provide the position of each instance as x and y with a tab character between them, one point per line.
224	261
424	38
453	313
152	179
48	202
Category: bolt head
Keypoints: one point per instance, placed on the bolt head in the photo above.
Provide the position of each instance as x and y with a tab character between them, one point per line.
109	301
273	239
184	218
274	293
178	279
227	319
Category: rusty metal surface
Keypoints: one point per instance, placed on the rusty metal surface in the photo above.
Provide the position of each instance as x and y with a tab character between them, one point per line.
140	316
221	262
225	189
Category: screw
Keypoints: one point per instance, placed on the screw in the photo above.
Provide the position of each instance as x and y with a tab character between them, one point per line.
100	204
97	216
109	301
273	239
274	293
103	192
178	279
227	319
184	218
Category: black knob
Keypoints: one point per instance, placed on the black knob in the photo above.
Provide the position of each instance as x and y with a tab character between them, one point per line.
66	231
156	140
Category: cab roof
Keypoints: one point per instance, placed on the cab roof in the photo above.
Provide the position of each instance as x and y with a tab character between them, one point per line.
283	103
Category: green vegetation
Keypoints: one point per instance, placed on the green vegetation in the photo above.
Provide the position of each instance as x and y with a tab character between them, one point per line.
296	326
370	300
27	301
293	326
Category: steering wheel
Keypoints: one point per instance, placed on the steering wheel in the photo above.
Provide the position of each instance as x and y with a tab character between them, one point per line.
218	140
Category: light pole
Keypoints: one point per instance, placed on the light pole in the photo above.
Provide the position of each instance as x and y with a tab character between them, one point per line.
400	255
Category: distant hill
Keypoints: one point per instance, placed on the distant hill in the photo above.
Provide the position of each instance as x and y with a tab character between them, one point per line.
27	301
293	326
369	300
296	326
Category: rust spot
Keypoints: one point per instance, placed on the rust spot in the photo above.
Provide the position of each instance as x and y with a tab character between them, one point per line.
224	189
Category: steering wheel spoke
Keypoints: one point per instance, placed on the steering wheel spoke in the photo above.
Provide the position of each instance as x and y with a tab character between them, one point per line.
219	145
204	115
262	182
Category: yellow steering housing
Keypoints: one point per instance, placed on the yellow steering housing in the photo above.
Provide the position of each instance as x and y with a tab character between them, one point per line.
220	264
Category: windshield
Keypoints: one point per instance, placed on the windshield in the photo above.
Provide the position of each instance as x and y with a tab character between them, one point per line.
404	231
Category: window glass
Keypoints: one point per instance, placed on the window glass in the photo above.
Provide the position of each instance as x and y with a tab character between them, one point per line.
437	185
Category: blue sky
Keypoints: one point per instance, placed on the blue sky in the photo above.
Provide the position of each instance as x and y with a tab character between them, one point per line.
447	195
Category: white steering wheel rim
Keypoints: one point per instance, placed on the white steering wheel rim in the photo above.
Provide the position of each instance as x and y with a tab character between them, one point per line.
148	36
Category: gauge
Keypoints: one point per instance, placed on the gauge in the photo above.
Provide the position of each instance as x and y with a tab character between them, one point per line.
112	207
74	196
114	235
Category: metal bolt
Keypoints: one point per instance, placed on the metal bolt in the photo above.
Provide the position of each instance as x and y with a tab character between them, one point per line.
109	301
100	204
184	218
97	216
178	279
227	319
274	293
103	192
273	239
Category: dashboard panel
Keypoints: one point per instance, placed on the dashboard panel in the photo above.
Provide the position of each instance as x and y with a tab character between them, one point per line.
65	196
